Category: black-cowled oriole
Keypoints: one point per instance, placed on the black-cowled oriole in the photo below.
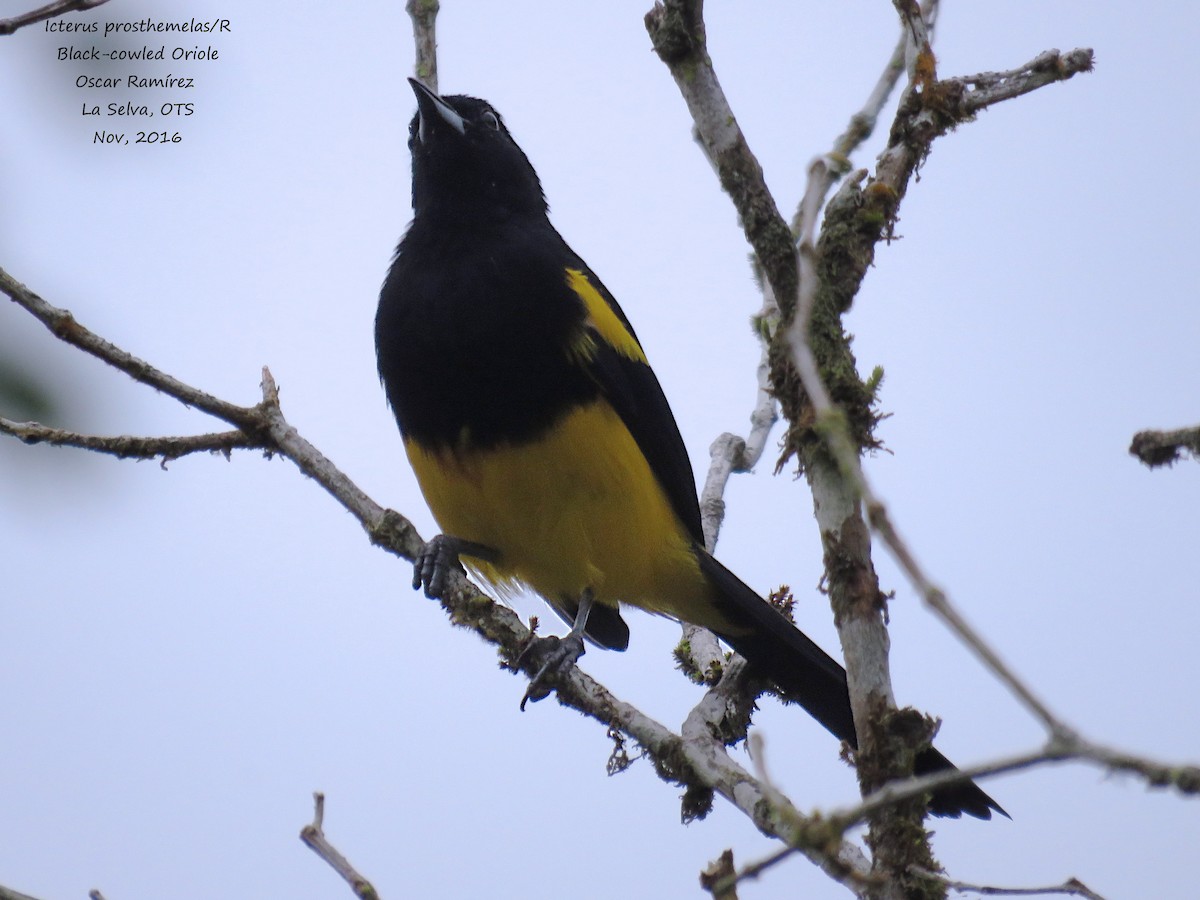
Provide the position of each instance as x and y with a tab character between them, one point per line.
538	432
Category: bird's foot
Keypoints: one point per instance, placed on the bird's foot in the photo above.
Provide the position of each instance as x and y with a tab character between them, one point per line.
556	656
440	557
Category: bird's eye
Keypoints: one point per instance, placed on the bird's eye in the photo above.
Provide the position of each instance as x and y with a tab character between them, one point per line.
489	119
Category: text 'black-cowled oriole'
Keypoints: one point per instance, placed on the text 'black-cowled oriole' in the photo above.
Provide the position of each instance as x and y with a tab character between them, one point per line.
538	432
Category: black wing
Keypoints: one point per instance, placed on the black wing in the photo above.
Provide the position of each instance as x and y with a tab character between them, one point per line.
632	389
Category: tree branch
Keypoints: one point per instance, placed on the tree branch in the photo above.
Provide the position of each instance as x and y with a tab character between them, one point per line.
695	760
9	894
987	88
130	447
860	218
677	31
828	408
683	762
313	836
63	325
1072	887
1165	448
423	14
694	757
1181	777
718	878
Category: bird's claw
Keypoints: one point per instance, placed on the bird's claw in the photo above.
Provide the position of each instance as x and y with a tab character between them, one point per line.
434	563
440	557
557	655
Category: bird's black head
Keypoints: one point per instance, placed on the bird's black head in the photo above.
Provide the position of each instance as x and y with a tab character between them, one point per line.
466	164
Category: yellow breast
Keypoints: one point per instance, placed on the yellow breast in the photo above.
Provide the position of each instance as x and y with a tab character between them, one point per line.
577	508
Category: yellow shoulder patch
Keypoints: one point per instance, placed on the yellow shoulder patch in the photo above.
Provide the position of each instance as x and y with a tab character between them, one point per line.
602	319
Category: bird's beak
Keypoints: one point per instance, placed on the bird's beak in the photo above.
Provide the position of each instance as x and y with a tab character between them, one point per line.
433	109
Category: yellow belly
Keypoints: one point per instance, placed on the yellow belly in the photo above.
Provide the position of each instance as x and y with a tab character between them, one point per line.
578	508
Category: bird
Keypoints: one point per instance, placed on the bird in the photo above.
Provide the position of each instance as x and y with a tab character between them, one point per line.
540	436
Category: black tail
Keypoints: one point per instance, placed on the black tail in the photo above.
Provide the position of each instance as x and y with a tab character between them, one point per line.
811	677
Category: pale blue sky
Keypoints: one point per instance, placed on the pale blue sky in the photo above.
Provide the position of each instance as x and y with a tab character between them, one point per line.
187	654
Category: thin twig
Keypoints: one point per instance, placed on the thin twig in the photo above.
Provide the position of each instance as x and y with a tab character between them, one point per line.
128	446
861	126
313	836
698	652
424	19
1184	778
66	329
1072	887
989	88
919	61
49	11
386	527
